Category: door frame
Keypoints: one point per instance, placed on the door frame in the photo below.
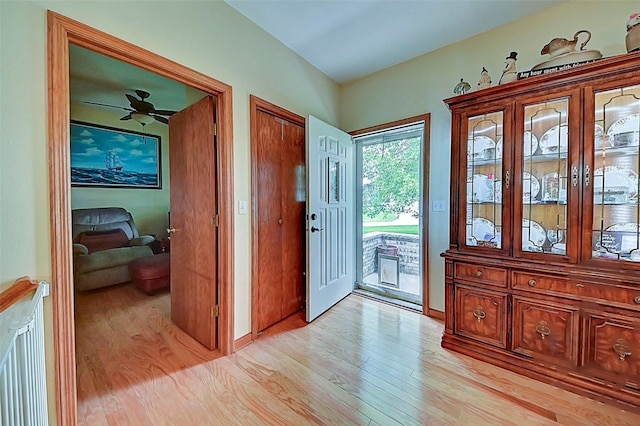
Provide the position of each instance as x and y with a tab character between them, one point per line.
257	104
60	32
424	221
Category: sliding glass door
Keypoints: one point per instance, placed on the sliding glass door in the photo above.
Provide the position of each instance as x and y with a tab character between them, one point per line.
389	213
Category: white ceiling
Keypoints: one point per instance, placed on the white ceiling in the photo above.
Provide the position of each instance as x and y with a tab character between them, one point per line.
348	39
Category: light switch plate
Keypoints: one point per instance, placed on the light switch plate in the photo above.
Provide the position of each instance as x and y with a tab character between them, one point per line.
439	206
242	207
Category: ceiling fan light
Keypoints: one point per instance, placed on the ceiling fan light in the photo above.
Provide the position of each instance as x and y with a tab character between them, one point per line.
141	118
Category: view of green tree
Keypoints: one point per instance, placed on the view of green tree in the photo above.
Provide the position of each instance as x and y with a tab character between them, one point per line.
391	177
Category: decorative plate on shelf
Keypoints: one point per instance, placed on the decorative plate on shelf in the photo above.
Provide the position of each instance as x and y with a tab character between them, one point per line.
599	139
559	248
624	132
530	145
550	187
530	187
497	191
481	229
624	227
481	148
555	140
479	189
533	235
616	184
624	241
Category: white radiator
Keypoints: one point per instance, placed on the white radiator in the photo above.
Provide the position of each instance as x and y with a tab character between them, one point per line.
23	387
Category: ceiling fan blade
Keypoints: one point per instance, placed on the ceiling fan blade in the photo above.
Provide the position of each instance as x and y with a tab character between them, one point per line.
136	103
126	117
160	119
164	112
110	106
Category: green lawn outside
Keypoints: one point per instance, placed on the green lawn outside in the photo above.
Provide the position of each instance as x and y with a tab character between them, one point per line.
382	217
398	229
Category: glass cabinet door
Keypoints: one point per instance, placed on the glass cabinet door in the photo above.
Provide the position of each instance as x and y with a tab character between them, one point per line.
542	150
616	150
484	222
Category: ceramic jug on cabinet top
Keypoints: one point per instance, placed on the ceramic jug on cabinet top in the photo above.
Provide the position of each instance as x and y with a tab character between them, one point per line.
560	46
632	39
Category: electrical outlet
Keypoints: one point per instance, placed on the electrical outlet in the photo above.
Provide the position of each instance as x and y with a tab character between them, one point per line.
439	206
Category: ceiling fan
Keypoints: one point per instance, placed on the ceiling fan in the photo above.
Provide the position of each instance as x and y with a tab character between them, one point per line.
140	110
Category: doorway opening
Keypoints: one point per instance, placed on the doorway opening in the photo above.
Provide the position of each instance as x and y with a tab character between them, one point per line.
391	189
62	32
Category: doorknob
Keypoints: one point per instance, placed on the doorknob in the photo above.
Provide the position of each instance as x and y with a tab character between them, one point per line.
314	229
171	230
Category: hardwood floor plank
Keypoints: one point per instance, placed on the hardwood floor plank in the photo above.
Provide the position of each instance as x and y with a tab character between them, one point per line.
278	386
309	381
342	373
329	367
362	363
254	398
402	367
492	379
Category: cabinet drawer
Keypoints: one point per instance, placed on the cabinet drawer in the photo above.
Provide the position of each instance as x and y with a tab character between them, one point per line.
625	296
613	348
545	331
481	274
481	315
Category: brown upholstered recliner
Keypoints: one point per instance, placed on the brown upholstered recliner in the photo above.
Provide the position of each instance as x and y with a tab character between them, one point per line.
105	240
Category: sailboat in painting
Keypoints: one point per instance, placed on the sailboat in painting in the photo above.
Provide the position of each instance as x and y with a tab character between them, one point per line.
112	161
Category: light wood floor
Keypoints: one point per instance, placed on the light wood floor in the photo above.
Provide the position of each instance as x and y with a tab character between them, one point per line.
361	363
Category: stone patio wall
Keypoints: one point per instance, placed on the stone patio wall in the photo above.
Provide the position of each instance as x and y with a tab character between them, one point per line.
408	251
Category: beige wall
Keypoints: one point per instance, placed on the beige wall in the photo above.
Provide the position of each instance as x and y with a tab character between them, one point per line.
419	86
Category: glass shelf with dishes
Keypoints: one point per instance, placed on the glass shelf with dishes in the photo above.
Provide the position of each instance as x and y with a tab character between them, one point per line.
483	181
616	212
545	177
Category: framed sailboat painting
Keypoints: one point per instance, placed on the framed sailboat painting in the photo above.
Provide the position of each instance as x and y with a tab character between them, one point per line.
107	157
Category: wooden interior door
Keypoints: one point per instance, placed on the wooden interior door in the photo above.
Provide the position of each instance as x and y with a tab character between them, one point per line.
194	237
279	210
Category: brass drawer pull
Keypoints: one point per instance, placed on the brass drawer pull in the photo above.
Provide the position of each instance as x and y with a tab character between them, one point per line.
580	285
532	283
479	313
543	329
479	273
622	349
637	299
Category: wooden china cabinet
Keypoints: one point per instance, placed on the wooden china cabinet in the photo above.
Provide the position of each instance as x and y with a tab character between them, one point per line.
543	269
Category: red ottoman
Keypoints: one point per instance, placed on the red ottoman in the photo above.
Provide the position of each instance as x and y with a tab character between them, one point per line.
151	273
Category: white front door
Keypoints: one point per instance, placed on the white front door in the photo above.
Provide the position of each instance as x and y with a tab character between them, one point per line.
330	217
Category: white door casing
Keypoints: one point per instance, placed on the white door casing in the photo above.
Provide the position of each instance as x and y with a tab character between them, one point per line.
330	217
